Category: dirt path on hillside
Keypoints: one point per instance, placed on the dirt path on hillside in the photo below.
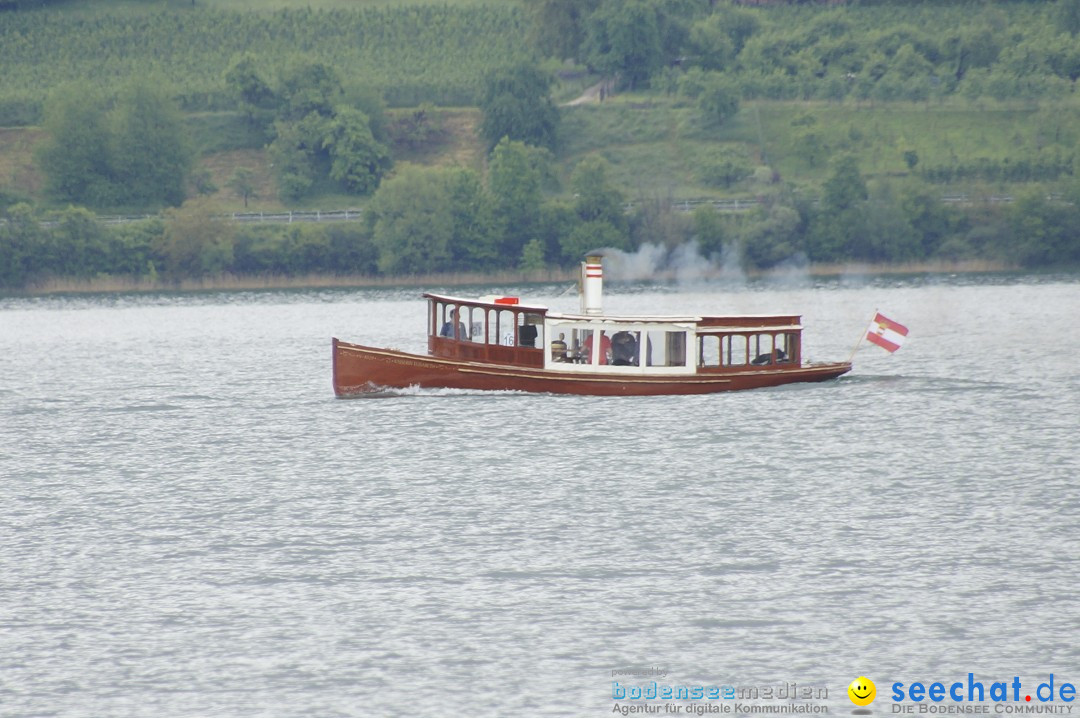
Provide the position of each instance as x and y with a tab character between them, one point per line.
596	93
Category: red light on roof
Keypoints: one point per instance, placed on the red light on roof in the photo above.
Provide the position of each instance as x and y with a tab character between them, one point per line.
506	300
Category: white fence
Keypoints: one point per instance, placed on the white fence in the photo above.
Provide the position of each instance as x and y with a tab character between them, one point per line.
349	215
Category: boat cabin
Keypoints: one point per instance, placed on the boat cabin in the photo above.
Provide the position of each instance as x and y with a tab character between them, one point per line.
503	330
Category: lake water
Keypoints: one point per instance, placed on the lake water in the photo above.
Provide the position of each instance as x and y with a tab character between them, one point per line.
192	525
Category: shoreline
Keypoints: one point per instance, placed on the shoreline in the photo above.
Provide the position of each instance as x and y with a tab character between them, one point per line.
123	284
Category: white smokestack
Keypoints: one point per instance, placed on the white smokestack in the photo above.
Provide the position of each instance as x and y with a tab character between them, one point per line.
592	285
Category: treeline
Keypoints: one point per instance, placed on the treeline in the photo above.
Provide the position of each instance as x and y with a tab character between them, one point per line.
188	243
412	54
426	220
863	51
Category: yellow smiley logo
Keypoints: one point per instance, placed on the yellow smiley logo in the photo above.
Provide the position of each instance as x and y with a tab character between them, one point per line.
862	691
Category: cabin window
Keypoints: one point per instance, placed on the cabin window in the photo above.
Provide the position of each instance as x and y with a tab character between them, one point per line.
450	324
788	343
665	348
770	349
734	350
709	350
792	347
761	347
501	327
531	330
475	323
625	348
492	324
598	354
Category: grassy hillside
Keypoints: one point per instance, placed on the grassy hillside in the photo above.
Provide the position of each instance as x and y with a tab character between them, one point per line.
19	177
454	143
658	148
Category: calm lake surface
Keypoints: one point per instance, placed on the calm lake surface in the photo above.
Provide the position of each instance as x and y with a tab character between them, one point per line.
192	525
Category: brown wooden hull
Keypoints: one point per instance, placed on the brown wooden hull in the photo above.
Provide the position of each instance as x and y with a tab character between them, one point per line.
362	370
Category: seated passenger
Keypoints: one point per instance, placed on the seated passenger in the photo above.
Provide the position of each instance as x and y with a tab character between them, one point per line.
448	327
624	349
558	349
605	349
767	358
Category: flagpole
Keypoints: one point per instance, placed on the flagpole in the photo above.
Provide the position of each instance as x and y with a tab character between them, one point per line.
856	347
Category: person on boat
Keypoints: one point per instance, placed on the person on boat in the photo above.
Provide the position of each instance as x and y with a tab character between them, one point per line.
624	349
448	327
558	349
605	348
767	358
528	332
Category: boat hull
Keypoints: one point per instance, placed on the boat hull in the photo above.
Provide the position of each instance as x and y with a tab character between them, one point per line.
362	370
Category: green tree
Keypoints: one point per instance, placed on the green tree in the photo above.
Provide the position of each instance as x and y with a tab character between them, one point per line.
719	99
974	46
253	93
595	197
79	242
587	237
22	246
412	220
516	104
773	236
624	41
723	168
136	154
839	226
1068	16
933	220
532	256
298	154
195	242
889	235
369	100
557	221
308	87
708	230
75	157
810	144
475	241
514	183
151	154
845	187
129	248
1045	233
599	208
710	46
202	179
557	27
357	159
243	183
740	25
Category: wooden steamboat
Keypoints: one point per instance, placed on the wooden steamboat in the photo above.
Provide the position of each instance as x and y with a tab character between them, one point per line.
504	344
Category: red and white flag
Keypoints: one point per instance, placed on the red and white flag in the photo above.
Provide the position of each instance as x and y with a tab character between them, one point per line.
886	333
